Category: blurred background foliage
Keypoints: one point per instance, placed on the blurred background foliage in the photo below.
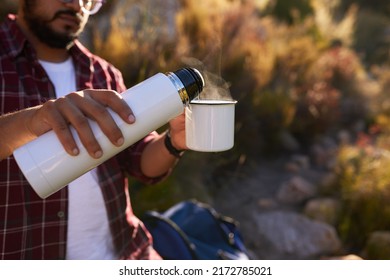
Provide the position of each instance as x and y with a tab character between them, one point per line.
299	69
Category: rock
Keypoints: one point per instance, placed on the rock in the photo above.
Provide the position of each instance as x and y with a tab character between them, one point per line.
325	210
288	141
346	257
267	203
323	155
302	160
327	183
377	246
292	167
344	137
295	191
287	235
319	155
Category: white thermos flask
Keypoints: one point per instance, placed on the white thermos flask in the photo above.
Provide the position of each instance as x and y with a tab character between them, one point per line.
155	101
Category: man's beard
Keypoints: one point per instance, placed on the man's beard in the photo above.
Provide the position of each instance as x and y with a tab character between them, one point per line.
42	30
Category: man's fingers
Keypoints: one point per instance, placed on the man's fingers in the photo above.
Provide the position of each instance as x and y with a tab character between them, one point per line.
113	100
53	119
76	109
75	116
96	111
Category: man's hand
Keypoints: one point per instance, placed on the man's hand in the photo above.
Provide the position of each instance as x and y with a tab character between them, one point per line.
178	132
74	109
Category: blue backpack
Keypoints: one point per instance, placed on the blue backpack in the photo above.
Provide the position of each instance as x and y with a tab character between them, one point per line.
192	230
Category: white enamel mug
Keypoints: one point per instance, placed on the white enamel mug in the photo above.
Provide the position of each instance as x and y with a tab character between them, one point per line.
210	125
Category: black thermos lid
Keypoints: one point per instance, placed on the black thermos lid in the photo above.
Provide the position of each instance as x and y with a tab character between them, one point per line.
192	80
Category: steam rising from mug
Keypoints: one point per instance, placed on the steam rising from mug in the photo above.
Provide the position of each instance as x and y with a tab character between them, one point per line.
154	102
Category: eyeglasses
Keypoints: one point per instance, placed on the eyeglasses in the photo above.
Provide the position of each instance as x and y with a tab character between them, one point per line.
89	7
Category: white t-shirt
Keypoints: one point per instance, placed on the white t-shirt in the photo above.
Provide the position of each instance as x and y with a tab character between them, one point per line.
89	234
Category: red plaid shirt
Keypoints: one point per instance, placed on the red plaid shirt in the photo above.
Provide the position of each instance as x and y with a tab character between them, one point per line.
35	228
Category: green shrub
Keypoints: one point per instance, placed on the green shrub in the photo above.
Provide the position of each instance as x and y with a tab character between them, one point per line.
364	182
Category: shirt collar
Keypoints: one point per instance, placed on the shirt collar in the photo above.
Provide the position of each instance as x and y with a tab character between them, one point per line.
13	39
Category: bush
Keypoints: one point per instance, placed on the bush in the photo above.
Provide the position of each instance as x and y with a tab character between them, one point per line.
364	183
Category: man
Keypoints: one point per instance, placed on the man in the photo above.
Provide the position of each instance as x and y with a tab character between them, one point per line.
41	61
